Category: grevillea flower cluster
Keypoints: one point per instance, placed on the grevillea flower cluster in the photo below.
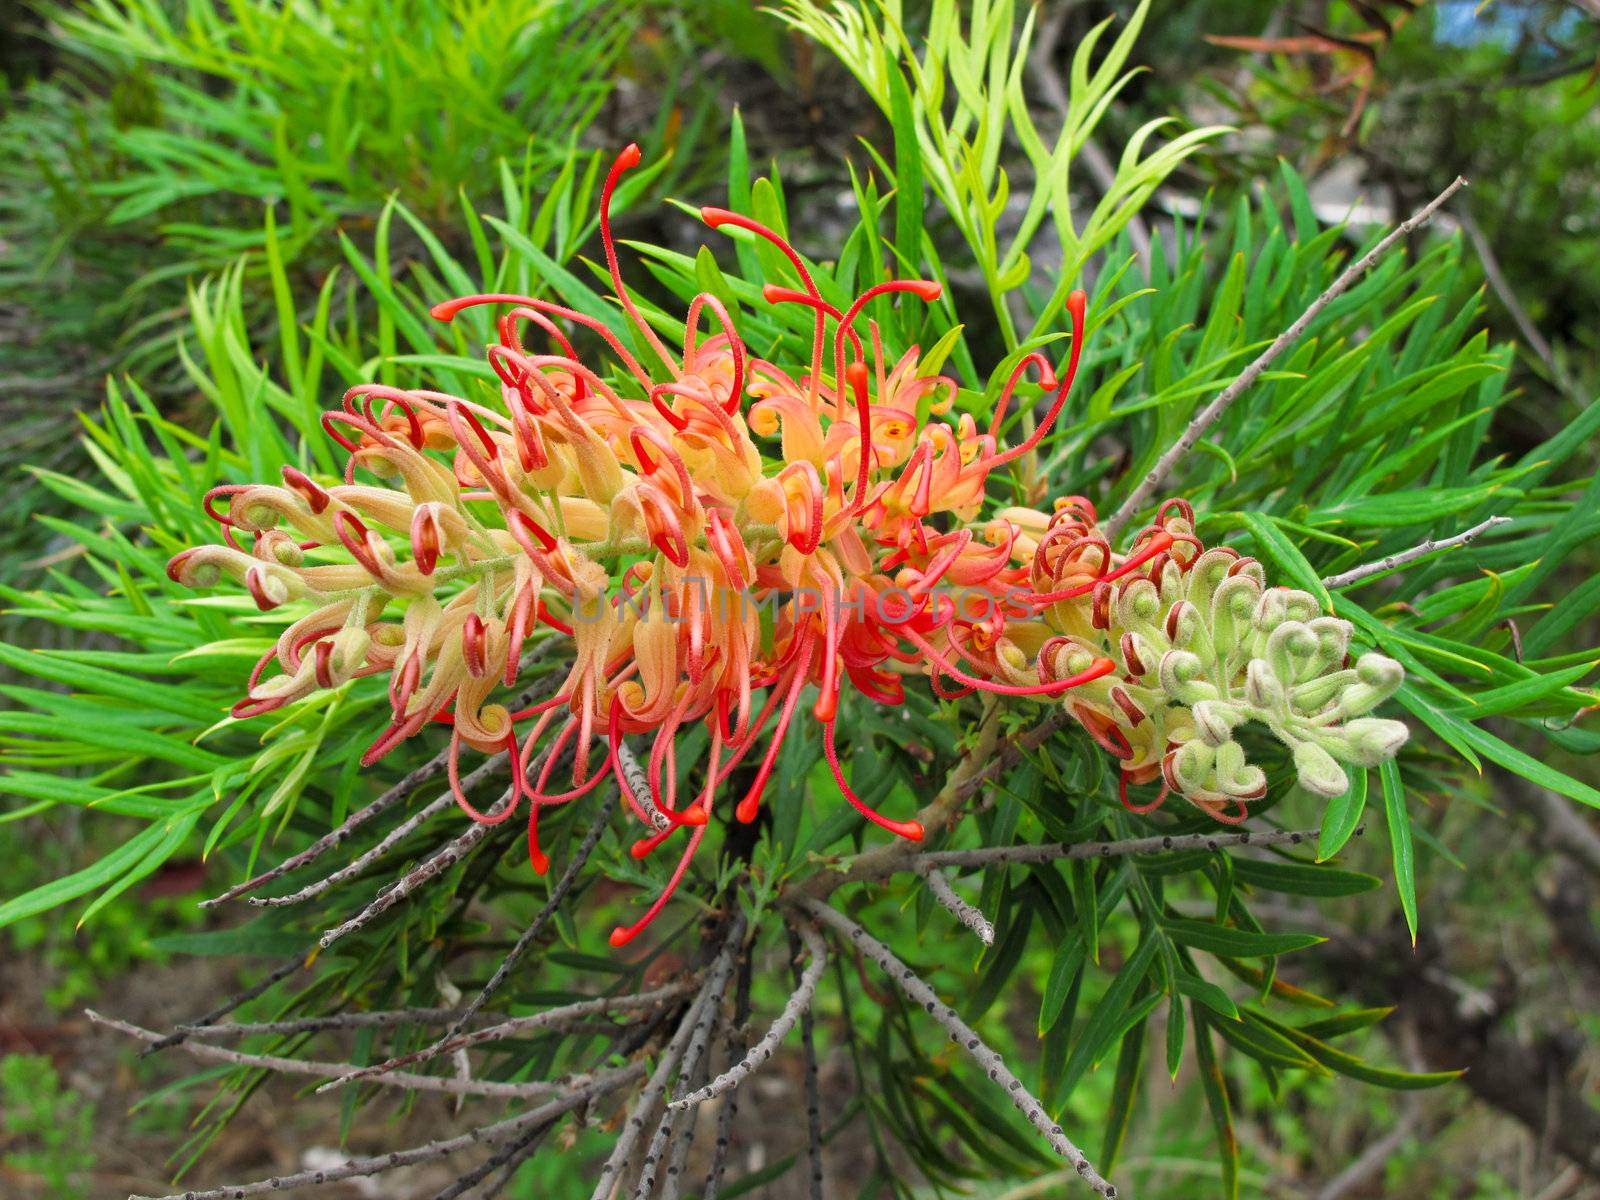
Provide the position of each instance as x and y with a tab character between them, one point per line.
642	523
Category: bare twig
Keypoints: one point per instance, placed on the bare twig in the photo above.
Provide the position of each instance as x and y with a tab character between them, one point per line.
989	757
672	1185
430	868
379	1019
968	914
402	790
536	926
518	1025
818	948
189	1029
670	1057
360	863
514	1153
962	1033
1502	288
1404	557
689	1069
798	1003
1209	415
730	1104
1053	851
1369	1164
486	1135
335	1070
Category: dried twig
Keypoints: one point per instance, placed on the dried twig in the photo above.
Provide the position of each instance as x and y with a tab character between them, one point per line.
818	947
730	1104
968	914
1053	851
430	868
603	1084
378	1019
672	1185
1209	415
693	1055
508	1157
798	1003
402	790
536	926
962	1033
190	1028
518	1025
1404	557
335	1070
360	863
670	1057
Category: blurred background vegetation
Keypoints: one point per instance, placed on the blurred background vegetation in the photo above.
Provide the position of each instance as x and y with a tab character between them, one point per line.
186	186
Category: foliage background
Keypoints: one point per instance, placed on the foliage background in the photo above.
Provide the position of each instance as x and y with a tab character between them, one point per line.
139	158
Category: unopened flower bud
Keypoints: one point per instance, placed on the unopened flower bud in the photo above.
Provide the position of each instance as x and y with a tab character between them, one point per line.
1263	690
1191	766
1380	672
1214	721
1373	740
1182	678
1317	770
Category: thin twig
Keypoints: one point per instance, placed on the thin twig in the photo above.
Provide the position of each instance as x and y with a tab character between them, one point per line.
798	1003
519	1025
672	1185
1208	416
379	1019
1502	288
818	948
557	894
430	868
989	757
485	1135
962	1033
360	863
611	1172
190	1028
969	915
1404	557
513	1153
335	1070
693	1055
737	1041
402	790
1054	851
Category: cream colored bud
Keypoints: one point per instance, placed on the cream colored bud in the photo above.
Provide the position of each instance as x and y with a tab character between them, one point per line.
1317	770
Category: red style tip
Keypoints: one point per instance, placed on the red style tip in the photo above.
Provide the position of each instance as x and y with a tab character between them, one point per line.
715	217
620	937
929	291
630	156
523	527
1078	304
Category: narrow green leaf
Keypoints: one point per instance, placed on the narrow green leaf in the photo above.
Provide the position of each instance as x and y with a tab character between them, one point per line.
1399	820
1340	818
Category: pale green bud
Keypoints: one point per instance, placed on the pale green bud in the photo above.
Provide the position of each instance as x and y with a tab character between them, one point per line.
1317	771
